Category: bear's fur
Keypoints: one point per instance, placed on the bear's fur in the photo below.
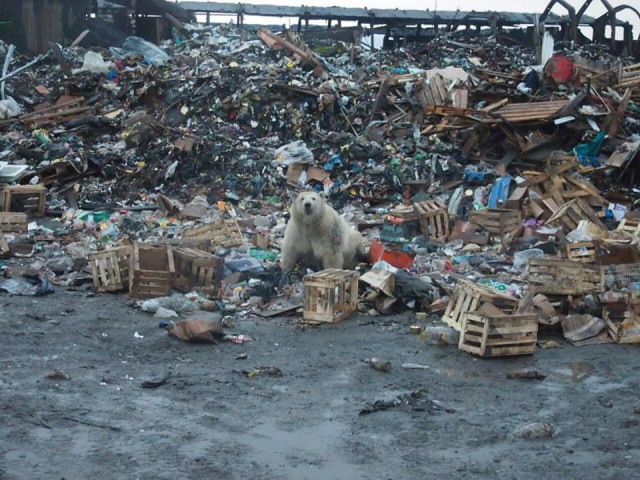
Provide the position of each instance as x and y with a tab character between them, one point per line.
317	235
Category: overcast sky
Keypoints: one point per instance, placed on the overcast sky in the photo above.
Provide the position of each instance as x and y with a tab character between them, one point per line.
531	6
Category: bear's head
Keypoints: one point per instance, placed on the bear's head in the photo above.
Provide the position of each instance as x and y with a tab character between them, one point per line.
307	205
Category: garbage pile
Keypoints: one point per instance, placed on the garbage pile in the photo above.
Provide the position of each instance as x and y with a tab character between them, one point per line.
496	194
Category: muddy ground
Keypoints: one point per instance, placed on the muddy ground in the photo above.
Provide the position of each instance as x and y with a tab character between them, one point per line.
210	421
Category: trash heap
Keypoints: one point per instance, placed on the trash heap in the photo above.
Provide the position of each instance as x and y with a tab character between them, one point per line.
497	195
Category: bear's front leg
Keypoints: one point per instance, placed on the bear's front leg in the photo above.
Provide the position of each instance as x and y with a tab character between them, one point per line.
332	260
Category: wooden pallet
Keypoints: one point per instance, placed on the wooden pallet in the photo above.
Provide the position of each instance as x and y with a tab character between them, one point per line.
110	269
630	225
499	221
203	244
562	277
152	270
224	233
585	252
11	222
197	270
622	321
468	297
527	112
25	198
498	336
330	296
572	213
433	216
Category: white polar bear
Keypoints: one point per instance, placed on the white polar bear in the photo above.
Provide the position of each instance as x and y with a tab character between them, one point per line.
318	235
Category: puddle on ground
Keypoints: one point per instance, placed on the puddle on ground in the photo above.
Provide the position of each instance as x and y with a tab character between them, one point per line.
579	373
451	372
311	452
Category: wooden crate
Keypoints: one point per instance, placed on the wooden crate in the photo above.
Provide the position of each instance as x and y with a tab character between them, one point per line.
330	296
25	198
622	321
630	225
562	277
468	297
572	213
110	269
585	252
499	221
224	233
434	219
500	335
13	222
197	270
152	270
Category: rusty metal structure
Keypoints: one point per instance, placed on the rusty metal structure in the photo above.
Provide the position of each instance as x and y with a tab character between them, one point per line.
419	21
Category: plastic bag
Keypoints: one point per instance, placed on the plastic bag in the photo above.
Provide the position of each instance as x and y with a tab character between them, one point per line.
294	152
93	62
136	45
9	108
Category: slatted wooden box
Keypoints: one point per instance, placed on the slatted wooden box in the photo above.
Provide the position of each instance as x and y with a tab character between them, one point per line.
11	222
434	219
623	323
197	270
330	296
630	225
584	252
224	233
203	244
110	269
562	277
468	297
499	221
25	198
152	270
498	336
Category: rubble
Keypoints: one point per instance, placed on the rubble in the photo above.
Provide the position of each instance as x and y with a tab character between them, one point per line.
496	195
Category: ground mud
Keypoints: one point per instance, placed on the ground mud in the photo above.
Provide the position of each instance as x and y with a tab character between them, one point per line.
209	420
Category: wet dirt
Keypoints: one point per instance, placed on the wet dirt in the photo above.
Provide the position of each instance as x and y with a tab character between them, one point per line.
209	420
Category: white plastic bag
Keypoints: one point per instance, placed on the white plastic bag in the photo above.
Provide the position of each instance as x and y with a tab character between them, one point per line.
294	152
9	108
